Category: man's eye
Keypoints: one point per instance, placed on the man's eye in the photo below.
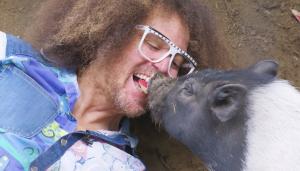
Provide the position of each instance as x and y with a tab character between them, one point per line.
175	65
177	62
152	46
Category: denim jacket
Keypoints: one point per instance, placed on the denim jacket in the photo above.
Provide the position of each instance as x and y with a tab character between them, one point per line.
36	100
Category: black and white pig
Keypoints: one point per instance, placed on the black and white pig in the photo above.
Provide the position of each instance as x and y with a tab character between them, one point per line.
233	120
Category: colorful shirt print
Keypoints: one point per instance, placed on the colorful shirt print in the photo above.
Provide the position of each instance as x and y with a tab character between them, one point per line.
97	155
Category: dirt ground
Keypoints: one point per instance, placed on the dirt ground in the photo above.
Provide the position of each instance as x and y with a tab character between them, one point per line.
251	29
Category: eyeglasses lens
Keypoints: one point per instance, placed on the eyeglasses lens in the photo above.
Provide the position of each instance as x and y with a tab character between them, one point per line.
181	65
155	49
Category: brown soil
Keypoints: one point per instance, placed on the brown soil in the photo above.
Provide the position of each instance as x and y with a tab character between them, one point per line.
251	29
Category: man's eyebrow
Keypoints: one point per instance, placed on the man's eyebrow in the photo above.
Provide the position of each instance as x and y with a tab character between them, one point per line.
159	33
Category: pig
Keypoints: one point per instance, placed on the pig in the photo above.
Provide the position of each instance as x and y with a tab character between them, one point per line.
243	119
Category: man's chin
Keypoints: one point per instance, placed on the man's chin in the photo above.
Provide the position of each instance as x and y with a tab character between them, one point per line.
130	105
134	111
131	109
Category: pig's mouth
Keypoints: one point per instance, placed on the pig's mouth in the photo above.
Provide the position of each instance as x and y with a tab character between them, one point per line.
159	87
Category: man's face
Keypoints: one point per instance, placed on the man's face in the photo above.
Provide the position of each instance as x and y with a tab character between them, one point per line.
130	71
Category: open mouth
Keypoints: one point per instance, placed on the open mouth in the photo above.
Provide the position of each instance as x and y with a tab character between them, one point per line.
142	82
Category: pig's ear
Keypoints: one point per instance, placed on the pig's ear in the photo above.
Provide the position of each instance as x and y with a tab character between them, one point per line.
269	67
226	101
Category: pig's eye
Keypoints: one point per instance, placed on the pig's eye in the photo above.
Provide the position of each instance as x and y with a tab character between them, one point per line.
188	89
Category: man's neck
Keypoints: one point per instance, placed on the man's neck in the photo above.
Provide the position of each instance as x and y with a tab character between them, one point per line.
94	110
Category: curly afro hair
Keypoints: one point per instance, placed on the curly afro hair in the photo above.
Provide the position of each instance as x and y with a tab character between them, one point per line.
72	32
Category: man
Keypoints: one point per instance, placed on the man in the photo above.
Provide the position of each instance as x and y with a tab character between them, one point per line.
65	105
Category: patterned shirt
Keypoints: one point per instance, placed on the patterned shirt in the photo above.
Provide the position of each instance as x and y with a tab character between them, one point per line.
97	155
32	90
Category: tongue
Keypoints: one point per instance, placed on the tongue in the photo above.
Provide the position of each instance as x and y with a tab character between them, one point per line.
144	85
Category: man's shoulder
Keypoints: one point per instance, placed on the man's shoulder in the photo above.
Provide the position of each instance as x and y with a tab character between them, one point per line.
11	45
17	46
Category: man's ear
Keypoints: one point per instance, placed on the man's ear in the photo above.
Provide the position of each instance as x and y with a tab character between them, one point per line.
225	101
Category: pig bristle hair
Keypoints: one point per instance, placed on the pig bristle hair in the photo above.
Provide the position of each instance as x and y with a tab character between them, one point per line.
174	107
156	123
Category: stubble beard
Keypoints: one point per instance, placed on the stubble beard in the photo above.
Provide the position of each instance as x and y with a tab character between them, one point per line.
131	108
123	104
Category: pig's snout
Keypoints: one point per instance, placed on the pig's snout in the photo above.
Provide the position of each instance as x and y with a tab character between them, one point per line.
158	89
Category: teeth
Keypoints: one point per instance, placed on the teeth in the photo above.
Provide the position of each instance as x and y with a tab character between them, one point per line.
143	82
144	89
144	77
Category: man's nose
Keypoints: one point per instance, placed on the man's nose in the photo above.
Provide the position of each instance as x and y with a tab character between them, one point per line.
163	66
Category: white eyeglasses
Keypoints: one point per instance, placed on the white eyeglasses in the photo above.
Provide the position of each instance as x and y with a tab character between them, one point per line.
155	47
